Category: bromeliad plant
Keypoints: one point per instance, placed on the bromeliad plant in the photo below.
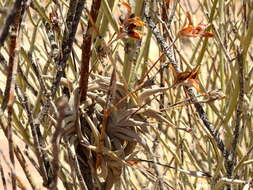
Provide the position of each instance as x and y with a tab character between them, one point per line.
117	120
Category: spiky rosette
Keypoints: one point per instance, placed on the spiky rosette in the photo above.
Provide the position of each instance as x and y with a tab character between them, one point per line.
126	115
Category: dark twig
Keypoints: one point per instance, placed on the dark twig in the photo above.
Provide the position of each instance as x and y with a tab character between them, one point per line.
86	50
2	176
12	67
61	107
21	73
239	110
155	147
25	167
209	125
239	113
9	94
31	159
38	150
73	18
10	165
68	39
169	53
51	38
165	47
75	163
39	142
172	14
4	32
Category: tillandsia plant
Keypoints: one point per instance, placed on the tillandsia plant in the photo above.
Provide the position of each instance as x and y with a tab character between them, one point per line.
126	94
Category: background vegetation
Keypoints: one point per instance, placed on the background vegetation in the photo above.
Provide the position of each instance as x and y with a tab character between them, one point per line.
138	94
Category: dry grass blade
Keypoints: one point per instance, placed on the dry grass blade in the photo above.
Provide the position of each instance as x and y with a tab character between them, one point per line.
106	115
188	172
239	114
11	78
86	87
3	176
76	165
17	181
200	110
39	151
25	167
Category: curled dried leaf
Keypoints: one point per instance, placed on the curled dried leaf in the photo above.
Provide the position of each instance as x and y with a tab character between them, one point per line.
135	34
149	92
158	116
132	122
188	78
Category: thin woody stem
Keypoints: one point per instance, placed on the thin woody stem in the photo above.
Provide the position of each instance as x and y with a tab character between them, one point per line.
169	53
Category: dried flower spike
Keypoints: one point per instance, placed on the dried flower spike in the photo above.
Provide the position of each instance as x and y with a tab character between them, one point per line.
55	21
129	23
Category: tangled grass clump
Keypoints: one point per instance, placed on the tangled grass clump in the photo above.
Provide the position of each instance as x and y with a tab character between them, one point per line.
101	95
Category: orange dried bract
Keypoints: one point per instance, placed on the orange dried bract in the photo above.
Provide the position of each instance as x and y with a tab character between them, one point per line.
192	31
53	16
207	35
192	83
186	75
189	17
188	78
135	34
129	23
126	4
136	21
188	31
